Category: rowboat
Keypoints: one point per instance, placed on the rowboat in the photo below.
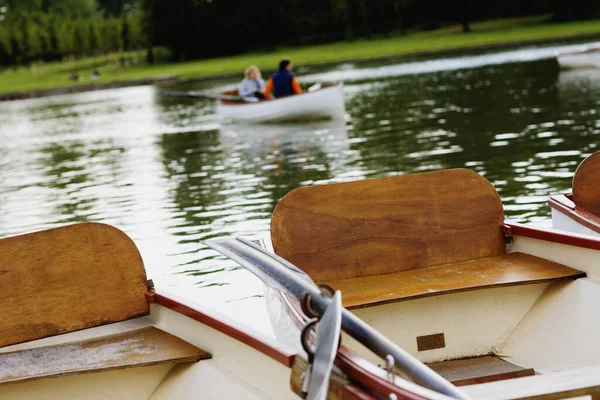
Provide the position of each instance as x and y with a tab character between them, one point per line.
500	309
324	103
586	58
579	211
80	320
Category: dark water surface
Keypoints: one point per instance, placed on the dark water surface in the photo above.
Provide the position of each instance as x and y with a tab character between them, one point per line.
170	173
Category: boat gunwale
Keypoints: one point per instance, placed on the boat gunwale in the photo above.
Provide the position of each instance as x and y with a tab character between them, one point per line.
279	354
579	52
564	204
550	235
237	103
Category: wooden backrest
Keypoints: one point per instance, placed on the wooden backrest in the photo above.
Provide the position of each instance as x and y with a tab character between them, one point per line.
69	278
386	225
586	184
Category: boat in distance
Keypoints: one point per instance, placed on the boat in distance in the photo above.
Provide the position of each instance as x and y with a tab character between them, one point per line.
326	102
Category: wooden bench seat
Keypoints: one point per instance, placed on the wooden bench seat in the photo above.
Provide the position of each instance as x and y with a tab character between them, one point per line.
404	237
506	270
136	348
482	369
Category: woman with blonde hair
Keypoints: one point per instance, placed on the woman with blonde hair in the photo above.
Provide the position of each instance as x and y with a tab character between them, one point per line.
252	85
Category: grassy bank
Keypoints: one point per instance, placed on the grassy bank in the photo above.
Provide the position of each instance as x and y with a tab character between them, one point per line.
488	33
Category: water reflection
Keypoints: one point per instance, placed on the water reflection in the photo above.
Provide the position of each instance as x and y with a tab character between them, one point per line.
171	174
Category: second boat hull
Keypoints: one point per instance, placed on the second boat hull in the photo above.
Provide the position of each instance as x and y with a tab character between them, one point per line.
584	59
326	103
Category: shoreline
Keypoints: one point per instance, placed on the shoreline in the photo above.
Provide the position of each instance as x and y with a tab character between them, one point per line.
173	79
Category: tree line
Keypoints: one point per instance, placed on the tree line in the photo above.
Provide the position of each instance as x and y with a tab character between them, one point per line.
208	28
31	30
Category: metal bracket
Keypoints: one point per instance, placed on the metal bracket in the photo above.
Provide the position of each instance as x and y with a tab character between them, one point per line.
507	231
310	325
390	367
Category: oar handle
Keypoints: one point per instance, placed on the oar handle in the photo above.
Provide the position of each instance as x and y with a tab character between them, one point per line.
242	99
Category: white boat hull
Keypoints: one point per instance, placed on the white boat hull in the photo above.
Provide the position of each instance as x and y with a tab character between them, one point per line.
585	59
566	216
321	104
563	223
509	321
235	370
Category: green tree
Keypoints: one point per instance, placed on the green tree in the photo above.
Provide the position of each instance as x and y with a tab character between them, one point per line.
111	35
30	36
6	56
73	8
137	33
94	36
125	33
65	33
81	42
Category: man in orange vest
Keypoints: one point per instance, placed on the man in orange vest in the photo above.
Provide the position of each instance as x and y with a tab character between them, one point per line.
283	82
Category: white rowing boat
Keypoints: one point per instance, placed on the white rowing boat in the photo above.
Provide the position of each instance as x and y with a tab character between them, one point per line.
504	310
586	58
324	103
80	321
579	211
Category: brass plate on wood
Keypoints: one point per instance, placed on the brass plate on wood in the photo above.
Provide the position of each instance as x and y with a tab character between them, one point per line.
431	342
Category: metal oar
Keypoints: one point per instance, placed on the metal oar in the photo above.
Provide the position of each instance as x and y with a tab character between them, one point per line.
176	93
280	274
328	340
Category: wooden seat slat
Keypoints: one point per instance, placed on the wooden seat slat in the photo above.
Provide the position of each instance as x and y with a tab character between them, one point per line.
482	369
586	184
136	348
507	270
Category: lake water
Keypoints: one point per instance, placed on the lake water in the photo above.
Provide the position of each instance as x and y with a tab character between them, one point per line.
171	174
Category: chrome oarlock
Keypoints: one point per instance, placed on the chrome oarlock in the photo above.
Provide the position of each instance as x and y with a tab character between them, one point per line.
325	333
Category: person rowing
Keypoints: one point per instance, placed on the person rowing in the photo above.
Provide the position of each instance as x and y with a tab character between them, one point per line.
283	82
252	85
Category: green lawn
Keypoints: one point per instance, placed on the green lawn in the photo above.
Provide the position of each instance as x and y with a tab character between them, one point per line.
503	31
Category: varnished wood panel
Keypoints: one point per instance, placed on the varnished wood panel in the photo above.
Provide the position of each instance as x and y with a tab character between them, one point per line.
68	278
470	371
379	226
137	348
507	270
586	184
